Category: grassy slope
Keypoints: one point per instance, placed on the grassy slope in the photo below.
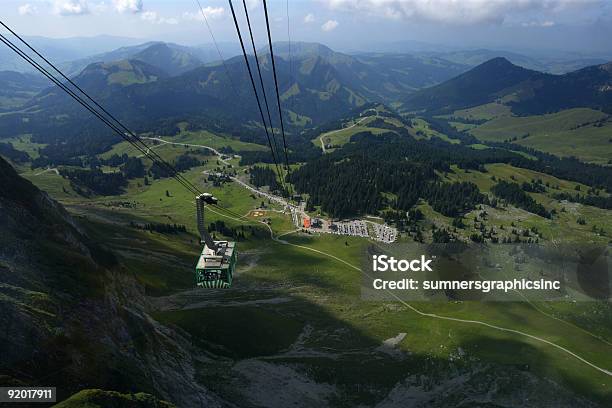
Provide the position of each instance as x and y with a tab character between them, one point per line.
567	133
564	226
199	138
342	136
422	130
487	111
24	144
328	295
110	399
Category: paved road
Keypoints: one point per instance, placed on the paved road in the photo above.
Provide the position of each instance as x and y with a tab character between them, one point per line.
277	199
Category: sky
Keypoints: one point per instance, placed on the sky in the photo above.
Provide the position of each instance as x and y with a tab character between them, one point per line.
566	25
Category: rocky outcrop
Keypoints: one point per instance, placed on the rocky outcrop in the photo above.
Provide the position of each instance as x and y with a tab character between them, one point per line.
70	314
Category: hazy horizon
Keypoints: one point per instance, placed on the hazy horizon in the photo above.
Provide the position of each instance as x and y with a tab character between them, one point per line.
572	26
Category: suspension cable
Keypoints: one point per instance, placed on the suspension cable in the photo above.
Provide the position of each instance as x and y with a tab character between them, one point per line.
280	113
263	89
291	100
248	65
227	72
126	136
114	124
152	155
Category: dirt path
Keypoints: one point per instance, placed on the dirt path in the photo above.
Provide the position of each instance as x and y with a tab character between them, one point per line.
215	151
419	312
339	130
49	170
458	320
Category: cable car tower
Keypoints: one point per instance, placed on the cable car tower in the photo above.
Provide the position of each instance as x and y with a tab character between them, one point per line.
216	265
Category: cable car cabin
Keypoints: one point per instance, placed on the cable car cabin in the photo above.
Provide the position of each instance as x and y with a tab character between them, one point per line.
216	265
215	268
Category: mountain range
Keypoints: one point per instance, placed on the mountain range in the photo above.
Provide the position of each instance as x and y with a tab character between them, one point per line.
527	92
167	81
160	83
62	50
17	87
173	58
552	64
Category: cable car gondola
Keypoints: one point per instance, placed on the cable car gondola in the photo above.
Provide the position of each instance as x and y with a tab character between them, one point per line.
216	265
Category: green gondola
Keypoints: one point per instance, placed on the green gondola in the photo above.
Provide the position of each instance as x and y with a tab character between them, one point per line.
217	262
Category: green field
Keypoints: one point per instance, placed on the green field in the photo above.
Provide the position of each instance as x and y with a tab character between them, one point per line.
25	144
422	130
487	111
94	398
584	133
196	138
296	302
340	137
563	227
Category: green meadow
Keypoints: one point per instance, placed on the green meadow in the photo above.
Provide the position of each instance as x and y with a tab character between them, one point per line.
305	289
581	132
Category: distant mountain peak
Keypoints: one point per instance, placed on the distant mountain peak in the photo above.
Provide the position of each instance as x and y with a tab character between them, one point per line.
480	85
300	49
499	60
171	58
499	63
531	92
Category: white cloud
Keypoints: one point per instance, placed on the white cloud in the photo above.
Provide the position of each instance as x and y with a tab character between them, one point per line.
171	20
547	23
99	8
27	10
155	18
309	18
149	16
252	4
129	6
211	13
70	7
329	25
455	11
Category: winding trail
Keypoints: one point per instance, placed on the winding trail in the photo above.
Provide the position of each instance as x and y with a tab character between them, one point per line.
48	170
340	130
215	151
414	309
455	319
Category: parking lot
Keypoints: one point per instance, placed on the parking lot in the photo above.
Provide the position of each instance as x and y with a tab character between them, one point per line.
356	228
384	233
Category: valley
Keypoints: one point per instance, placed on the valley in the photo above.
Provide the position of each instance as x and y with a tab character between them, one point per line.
287	279
421	155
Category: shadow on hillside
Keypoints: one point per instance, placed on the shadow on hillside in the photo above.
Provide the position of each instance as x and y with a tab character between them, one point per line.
255	351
